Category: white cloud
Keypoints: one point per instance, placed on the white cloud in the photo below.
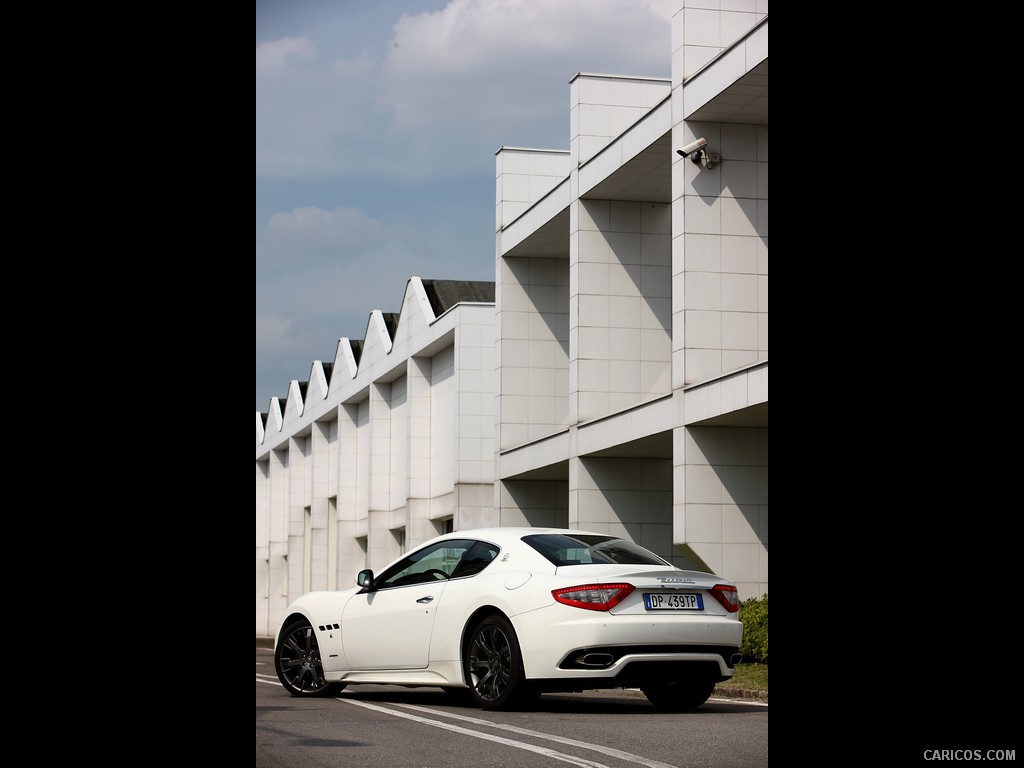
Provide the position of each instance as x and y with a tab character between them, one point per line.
501	35
360	66
433	95
461	82
365	118
275	56
314	233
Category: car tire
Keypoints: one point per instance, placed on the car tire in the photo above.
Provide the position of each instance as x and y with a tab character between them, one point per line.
298	664
676	697
493	665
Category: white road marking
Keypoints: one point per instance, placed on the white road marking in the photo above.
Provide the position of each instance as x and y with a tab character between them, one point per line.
583	763
539	735
523	731
750	702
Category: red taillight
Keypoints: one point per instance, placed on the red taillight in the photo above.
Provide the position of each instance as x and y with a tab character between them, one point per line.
727	596
593	597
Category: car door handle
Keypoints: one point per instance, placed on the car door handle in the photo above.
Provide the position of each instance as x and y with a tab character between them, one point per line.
426	599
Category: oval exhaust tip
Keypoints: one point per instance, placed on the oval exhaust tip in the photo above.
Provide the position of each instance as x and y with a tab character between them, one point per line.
596	659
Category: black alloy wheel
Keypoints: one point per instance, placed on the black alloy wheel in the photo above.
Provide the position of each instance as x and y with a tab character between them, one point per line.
297	661
493	665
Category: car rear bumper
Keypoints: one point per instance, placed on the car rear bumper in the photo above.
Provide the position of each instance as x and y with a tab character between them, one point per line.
559	643
640	672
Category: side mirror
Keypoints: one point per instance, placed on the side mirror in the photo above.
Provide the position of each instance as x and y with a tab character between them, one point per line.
365	579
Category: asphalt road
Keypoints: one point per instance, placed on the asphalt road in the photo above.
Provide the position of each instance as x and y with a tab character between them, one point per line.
382	726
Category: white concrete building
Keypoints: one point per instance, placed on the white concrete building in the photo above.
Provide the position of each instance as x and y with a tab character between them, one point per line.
388	446
632	307
619	380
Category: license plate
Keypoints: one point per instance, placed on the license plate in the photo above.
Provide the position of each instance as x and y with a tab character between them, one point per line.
682	601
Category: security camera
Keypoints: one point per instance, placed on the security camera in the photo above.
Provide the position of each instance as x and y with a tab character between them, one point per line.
692	147
698	153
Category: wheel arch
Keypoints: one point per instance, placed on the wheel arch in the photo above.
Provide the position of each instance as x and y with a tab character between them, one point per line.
481	613
287	621
321	609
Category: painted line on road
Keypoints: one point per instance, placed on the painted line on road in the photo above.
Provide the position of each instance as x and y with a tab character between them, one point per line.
749	702
582	762
550	737
515	729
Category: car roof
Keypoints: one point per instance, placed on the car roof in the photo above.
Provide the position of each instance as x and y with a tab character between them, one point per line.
514	532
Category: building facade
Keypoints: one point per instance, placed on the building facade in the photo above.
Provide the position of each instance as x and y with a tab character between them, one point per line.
623	361
386	447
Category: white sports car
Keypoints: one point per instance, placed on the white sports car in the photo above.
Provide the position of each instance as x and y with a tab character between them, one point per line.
508	613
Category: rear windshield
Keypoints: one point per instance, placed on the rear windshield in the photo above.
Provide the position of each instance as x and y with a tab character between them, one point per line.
584	549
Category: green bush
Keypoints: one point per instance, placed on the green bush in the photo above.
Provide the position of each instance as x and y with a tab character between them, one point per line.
754	615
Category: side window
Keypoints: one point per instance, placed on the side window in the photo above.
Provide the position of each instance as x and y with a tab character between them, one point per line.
433	563
476	559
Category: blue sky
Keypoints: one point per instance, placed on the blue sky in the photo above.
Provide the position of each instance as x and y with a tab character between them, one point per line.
377	122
